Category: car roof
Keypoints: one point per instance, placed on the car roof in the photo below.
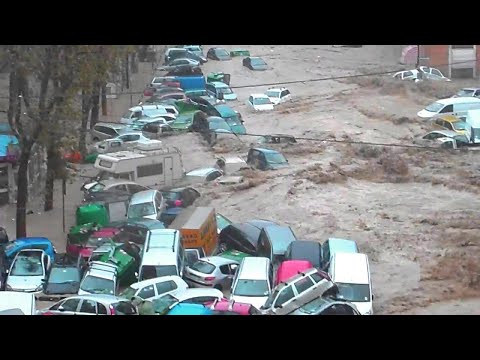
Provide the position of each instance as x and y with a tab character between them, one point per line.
277	89
351	268
104	298
471	88
197	292
112	125
342	245
225	110
202	171
117	181
259	95
458	100
294	265
295	278
146	107
27	240
264	150
450	118
190	309
143	196
250	266
217	260
155	280
159	257
447	133
282	237
219	84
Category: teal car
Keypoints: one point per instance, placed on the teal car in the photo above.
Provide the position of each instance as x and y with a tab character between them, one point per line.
232	118
183	122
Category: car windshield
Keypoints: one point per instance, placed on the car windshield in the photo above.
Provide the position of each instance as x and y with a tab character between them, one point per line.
152	272
459	125
435	107
222	52
261	101
64	275
219	125
97	285
225	90
154	112
183	120
128	293
353	292
171	195
257	61
465	93
274	94
251	288
28	265
203	267
233	121
140	210
97	187
275	158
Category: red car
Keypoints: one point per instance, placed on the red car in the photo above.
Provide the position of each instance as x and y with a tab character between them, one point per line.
290	268
225	306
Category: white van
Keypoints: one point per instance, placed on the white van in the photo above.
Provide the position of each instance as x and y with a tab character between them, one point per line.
452	106
140	111
148	204
152	168
163	255
253	281
351	273
25	302
473	131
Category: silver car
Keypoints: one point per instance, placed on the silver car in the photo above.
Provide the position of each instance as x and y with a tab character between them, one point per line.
28	271
213	271
92	305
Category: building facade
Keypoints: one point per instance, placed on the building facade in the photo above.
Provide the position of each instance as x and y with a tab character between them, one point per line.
454	61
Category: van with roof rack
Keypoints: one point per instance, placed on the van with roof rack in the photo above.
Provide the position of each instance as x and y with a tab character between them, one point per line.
163	254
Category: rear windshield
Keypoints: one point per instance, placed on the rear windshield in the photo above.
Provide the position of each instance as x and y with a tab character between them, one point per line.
152	272
203	267
97	285
459	125
251	288
354	292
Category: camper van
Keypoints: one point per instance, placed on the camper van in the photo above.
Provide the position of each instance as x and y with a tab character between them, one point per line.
452	106
154	167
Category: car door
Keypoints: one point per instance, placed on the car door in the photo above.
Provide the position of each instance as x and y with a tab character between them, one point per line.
87	307
228	270
67	307
165	287
147	292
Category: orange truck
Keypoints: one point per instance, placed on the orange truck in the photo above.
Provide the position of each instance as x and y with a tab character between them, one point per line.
198	226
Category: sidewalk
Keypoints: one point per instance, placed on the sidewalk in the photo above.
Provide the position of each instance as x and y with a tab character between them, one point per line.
49	224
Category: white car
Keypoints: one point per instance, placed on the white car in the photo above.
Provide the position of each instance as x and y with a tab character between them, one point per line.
153	288
407	75
278	95
198	295
260	102
28	271
203	175
25	302
427	73
101	278
433	74
141	111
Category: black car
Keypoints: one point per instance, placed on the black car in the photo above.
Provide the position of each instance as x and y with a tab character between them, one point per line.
219	54
63	279
305	250
180	197
242	236
254	63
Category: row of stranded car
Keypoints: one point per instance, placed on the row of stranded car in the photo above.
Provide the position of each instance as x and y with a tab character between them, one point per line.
257	267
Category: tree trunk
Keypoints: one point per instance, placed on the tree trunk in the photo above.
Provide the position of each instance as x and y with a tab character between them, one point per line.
127	71
22	190
51	170
95	101
104	99
86	106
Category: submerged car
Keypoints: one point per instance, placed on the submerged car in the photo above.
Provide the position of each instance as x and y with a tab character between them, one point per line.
213	271
327	306
255	63
266	159
232	118
451	122
260	102
180	197
468	92
278	95
153	288
203	175
219	54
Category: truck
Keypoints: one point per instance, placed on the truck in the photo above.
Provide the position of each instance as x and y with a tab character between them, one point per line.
196	82
198	227
149	166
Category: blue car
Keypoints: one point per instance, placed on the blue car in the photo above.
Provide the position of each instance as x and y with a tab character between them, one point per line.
12	248
334	245
232	117
190	309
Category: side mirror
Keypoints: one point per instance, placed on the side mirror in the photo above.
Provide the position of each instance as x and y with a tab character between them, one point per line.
136	275
61	308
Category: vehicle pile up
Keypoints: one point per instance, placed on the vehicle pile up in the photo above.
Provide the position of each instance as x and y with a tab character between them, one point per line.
141	245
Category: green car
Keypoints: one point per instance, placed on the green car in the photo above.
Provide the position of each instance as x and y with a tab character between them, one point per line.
239	52
218	76
184	122
92	213
232	118
234	255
